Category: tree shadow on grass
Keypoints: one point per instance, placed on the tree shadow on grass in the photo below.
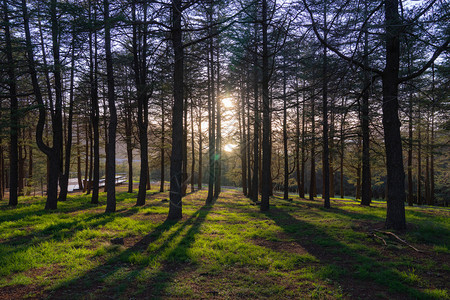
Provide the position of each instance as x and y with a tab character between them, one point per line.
71	205
360	273
91	284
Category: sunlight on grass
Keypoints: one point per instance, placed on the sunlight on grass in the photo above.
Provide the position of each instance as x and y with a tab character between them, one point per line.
297	249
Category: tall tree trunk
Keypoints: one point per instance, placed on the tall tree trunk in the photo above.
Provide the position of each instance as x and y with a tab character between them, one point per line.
242	138
185	148
303	157
432	142
128	140
358	171
88	156
200	150
366	176
218	160
80	181
341	154
14	116
285	138
163	137
410	152
140	70
419	159
248	145
427	164
332	150
192	150
325	151
266	147
395	217
255	181
95	112
64	182
312	183
53	154
297	144
176	159
211	112
111	154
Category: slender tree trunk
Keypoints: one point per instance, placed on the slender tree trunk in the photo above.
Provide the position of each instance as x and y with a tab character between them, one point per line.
312	183
410	152
358	171
176	159
297	145
303	157
255	181
266	147
192	150
248	145
14	116
163	137
185	148
64	182
332	190
80	181
218	160
243	140
285	139
88	156
427	164
200	150
140	70
366	176
111	154
432	143
95	113
325	151
128	140
419	159
341	154
395	217
211	114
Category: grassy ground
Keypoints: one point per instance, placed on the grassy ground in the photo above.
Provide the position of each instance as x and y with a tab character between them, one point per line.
228	250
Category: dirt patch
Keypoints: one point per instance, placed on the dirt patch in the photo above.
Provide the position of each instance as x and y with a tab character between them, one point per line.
286	246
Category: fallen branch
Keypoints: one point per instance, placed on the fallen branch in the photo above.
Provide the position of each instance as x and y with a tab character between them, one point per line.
379	237
403	241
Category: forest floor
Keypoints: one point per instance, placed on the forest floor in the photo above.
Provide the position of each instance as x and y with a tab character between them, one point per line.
228	250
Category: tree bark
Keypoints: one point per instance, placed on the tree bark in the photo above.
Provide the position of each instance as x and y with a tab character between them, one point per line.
211	113
14	116
80	181
285	139
163	138
395	217
95	113
176	159
111	154
325	151
140	71
366	195
218	156
64	181
266	147
200	150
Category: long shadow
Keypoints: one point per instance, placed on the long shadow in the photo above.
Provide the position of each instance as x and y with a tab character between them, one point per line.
79	203
343	263
56	232
80	287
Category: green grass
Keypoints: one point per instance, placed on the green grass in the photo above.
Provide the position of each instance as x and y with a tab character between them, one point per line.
226	250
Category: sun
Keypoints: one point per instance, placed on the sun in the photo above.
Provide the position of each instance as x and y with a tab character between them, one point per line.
227	102
229	147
